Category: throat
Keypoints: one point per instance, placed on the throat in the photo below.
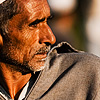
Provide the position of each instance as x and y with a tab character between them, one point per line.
13	82
14	88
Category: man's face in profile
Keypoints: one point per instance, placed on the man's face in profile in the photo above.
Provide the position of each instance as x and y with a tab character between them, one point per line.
29	36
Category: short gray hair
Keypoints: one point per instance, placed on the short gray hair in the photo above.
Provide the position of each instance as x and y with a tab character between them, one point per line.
7	10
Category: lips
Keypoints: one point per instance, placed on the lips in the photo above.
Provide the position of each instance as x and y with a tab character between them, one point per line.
41	55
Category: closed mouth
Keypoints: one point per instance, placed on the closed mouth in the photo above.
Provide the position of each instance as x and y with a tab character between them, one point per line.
41	55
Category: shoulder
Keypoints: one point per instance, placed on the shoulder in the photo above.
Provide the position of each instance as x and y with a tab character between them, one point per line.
65	56
84	58
79	61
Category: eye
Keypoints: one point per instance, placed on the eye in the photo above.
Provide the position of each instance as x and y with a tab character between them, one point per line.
34	23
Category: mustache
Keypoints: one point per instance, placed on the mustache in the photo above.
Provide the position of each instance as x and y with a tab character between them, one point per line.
45	49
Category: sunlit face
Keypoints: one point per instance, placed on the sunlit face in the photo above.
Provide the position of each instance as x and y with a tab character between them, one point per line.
28	35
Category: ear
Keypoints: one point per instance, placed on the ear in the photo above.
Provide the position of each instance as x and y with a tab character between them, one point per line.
1	40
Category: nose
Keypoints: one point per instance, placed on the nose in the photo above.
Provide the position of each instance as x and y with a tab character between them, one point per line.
46	35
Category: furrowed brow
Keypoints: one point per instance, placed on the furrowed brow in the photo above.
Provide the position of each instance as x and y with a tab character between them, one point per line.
40	20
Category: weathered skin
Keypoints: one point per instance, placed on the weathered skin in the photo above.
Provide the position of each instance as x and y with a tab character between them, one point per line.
23	42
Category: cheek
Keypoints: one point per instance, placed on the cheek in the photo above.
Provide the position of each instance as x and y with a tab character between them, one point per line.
12	53
21	33
29	36
25	36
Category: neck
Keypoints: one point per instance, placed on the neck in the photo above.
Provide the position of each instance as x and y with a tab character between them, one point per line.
12	81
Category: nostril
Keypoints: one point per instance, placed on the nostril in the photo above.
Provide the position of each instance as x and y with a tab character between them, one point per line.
47	43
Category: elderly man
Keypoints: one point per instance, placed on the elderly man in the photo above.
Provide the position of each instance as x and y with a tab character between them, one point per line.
28	71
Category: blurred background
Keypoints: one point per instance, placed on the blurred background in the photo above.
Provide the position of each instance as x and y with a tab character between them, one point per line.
77	22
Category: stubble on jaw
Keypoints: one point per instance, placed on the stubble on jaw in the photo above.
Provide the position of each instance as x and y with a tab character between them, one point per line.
31	65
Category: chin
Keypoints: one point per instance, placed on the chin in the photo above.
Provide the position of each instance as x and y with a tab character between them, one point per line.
38	66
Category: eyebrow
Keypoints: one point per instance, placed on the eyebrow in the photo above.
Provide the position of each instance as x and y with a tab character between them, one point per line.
40	20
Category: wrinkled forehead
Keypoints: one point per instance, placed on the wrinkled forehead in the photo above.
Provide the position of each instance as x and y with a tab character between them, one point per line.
35	7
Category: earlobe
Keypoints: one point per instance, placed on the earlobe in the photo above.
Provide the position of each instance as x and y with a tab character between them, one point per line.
1	40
